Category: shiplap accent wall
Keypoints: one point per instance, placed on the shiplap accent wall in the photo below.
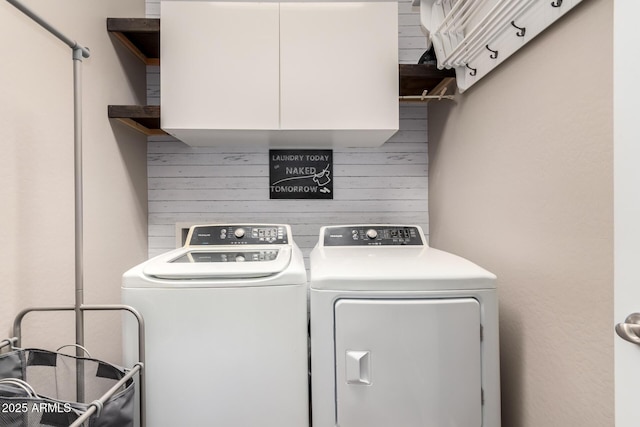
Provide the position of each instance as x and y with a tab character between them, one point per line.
388	184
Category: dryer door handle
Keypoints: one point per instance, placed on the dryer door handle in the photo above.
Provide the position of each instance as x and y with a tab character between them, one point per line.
630	329
358	367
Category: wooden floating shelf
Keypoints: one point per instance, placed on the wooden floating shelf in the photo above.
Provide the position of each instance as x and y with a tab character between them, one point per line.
416	78
143	118
142	37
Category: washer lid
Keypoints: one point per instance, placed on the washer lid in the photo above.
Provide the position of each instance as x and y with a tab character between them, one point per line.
220	263
379	268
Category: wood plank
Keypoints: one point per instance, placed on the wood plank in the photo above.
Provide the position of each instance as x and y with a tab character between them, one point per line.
169	145
200	158
134	111
239	183
143	118
283	206
140	35
415	78
141	128
340	171
262	193
133	25
164	224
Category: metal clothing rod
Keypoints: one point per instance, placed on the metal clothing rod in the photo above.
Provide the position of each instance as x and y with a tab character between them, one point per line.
78	52
425	98
44	24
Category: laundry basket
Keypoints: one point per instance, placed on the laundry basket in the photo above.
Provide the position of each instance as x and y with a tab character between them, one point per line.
38	388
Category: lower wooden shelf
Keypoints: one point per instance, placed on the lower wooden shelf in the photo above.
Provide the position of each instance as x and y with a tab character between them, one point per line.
143	118
413	81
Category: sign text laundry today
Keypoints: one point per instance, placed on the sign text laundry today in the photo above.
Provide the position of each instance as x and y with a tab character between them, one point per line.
301	174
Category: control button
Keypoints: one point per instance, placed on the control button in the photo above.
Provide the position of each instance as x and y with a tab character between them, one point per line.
239	258
372	234
239	233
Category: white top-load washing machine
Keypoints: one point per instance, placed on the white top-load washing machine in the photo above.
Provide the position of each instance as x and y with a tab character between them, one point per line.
401	334
226	329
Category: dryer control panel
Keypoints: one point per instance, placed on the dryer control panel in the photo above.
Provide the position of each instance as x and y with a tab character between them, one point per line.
242	234
372	235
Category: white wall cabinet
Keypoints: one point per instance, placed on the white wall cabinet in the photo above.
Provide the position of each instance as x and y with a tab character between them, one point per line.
219	65
287	74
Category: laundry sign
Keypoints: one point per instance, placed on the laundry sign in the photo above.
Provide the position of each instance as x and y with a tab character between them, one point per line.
301	174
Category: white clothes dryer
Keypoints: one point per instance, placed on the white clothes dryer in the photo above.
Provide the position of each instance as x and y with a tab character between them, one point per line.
401	334
226	329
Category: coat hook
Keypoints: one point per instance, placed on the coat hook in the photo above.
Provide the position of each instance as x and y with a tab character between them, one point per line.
522	31
556	3
494	53
473	71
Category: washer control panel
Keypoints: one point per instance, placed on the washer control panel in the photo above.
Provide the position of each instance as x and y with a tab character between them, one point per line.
372	235
239	256
224	235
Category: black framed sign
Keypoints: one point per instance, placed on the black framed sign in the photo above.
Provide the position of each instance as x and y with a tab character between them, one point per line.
301	174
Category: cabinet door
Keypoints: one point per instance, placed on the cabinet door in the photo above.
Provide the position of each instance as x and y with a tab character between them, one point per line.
339	65
219	65
409	363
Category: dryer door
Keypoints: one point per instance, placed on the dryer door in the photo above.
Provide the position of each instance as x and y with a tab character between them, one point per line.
408	362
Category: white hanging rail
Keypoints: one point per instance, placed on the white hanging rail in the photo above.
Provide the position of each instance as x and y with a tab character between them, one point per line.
475	36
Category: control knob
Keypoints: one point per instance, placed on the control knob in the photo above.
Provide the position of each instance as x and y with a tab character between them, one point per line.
240	258
239	233
372	234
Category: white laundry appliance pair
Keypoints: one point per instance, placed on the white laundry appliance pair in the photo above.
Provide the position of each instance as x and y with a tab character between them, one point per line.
401	334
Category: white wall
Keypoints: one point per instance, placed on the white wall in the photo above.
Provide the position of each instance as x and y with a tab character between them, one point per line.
521	182
36	170
376	185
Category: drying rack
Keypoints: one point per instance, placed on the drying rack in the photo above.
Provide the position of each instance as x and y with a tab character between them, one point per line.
475	36
78	53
